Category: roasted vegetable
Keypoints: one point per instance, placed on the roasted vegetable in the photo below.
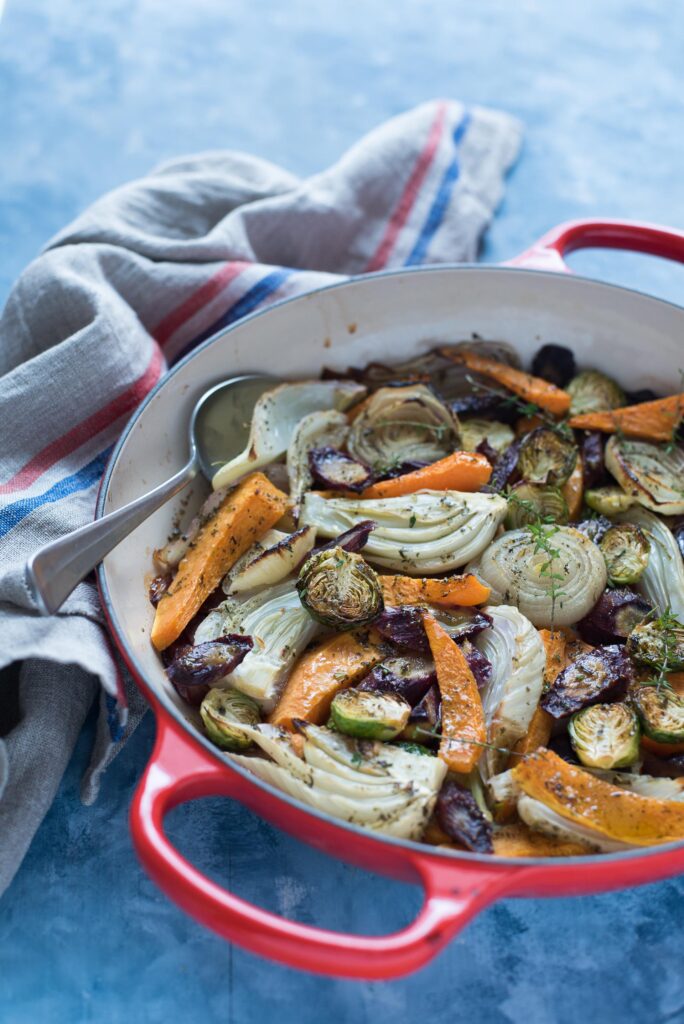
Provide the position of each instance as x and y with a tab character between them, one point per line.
425	721
573	491
193	668
608	501
592	391
354	539
275	418
663	581
404	625
410	676
460	471
281	629
369	714
321	430
658	644
336	663
599	675
661	711
270	560
454	591
497	435
652	474
651	421
517	656
461	819
243	516
339	589
463	723
677	533
377	785
402	423
605	735
613	617
546	457
578	796
554	363
518	840
554	574
527	387
338	471
626	551
591	455
432	531
478	663
223	711
594	528
158	587
504	468
528	503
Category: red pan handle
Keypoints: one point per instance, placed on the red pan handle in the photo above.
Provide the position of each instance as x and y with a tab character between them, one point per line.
180	770
548	252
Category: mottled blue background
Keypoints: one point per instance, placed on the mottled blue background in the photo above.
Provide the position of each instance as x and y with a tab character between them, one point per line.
94	94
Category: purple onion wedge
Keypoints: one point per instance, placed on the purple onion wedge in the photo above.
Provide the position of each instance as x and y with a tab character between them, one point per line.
462	820
193	669
404	627
504	469
598	676
409	676
338	471
613	617
351	540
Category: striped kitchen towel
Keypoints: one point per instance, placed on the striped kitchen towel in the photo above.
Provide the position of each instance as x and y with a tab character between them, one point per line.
134	284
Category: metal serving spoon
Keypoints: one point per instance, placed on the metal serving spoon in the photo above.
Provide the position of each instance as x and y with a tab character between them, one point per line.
219	428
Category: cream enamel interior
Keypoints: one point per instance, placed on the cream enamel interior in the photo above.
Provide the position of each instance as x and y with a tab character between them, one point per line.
385	317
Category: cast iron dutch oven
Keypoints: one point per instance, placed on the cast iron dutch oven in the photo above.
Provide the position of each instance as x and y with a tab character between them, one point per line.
388	317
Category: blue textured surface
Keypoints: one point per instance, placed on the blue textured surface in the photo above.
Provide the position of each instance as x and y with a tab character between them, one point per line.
92	95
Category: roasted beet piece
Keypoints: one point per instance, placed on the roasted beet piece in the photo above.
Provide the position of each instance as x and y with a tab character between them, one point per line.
499	407
663	767
338	471
193	669
562	746
595	528
599	675
351	540
485	448
425	720
404	627
504	469
462	820
642	395
554	363
400	469
158	587
409	676
593	466
479	665
613	617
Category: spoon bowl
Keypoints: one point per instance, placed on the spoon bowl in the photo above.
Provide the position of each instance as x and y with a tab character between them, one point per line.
218	431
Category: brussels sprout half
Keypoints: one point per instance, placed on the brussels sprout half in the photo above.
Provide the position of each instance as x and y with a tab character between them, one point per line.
605	736
661	711
626	551
339	589
223	712
658	644
592	391
608	501
528	503
369	715
546	457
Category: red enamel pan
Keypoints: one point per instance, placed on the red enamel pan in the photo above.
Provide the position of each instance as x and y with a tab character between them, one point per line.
388	316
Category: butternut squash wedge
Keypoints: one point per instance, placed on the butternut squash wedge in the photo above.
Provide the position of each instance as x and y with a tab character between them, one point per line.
463	590
464	730
581	797
652	421
337	662
241	518
460	471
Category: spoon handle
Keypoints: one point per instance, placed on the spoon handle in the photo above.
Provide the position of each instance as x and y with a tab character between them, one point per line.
55	569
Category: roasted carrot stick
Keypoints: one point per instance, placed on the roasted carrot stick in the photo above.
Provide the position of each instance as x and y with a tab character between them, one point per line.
455	590
460	471
652	421
531	389
464	730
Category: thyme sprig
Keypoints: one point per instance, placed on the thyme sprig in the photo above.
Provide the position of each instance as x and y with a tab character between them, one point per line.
542	534
668	624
